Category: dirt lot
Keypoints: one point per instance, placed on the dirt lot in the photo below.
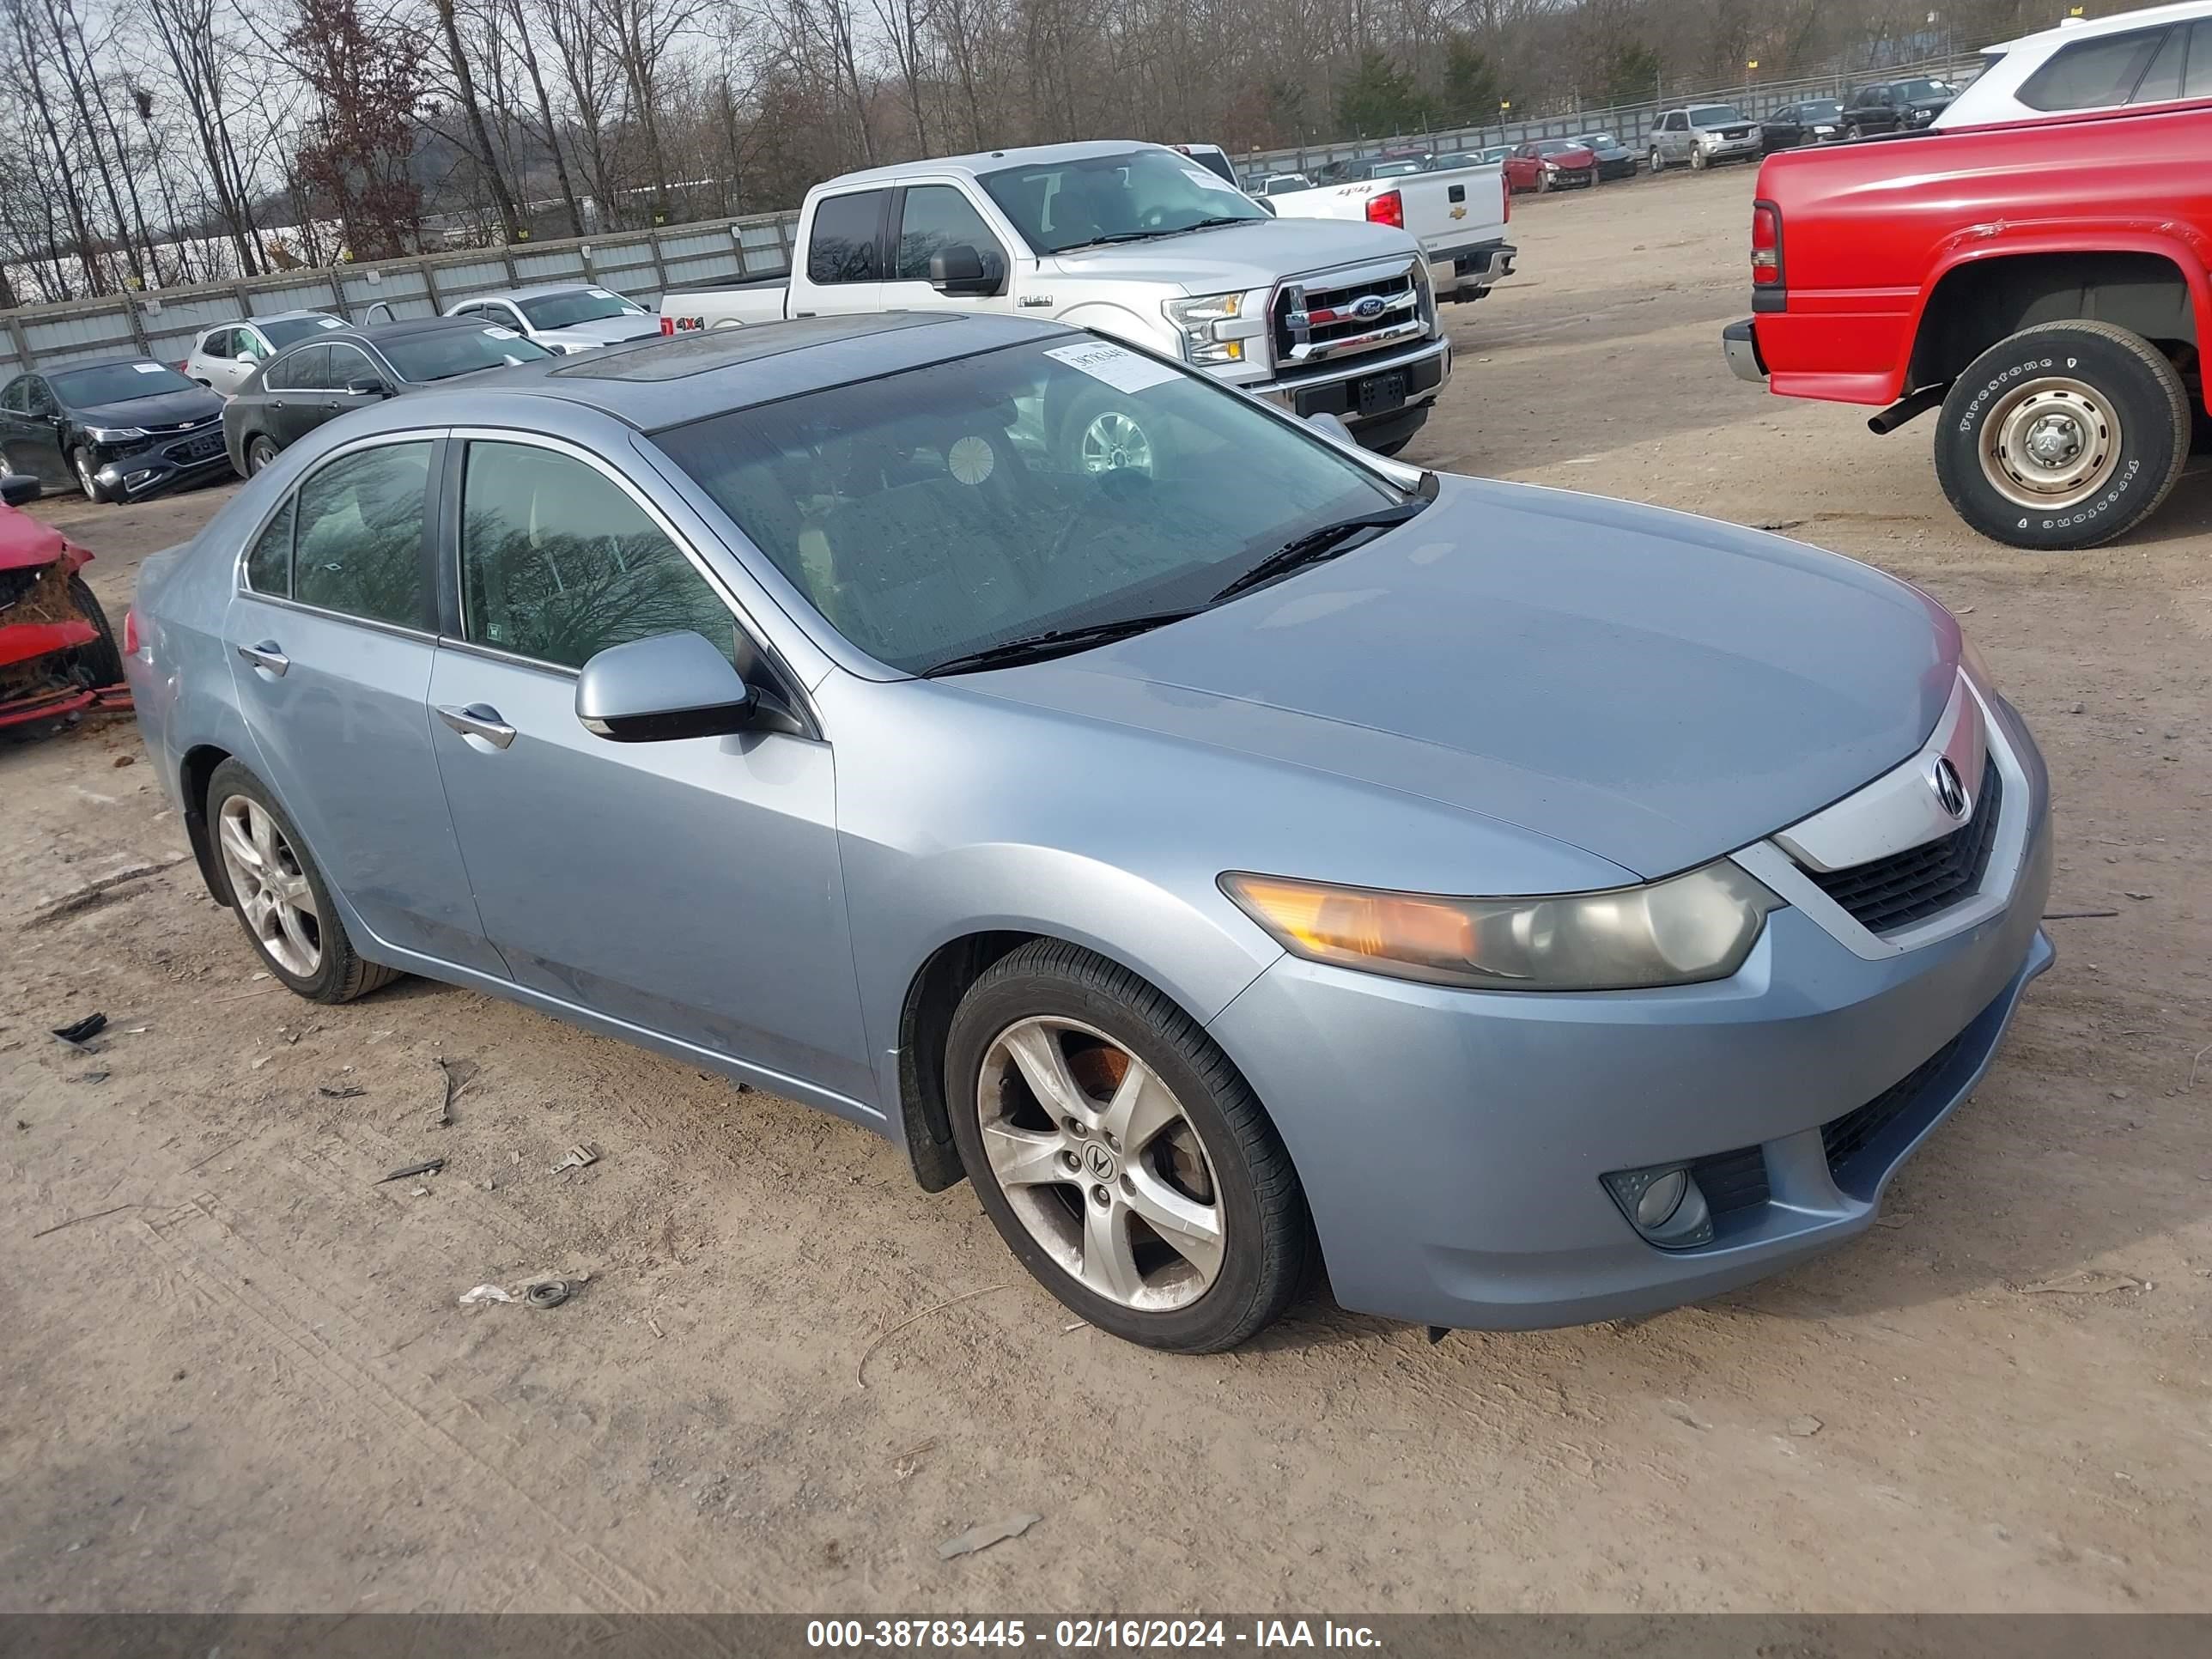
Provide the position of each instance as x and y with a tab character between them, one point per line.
242	1381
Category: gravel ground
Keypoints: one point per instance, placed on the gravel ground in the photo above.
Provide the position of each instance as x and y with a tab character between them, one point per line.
236	1377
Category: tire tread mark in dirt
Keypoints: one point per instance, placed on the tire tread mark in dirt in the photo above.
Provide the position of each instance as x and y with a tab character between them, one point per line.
208	1266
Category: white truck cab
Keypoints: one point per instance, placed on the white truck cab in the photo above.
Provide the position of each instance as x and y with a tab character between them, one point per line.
1134	240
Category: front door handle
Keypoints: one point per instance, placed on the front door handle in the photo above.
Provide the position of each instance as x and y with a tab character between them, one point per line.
267	655
478	720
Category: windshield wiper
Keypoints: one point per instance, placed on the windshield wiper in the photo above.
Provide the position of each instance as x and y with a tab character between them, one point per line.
1324	542
1208	224
1054	642
1118	236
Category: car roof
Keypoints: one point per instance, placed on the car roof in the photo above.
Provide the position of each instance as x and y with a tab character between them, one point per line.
2120	23
539	291
983	162
667	381
92	362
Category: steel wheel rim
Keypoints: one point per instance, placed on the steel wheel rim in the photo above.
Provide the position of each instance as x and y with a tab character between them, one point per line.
2051	443
1114	441
1099	1161
274	897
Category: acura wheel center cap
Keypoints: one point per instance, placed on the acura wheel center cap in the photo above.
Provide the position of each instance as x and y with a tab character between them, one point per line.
1100	1162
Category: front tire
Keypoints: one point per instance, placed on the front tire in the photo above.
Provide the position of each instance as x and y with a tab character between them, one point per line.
281	901
2065	435
1698	161
93	490
1658	160
1120	1155
101	662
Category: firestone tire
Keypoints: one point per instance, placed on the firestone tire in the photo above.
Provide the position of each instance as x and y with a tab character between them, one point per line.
339	973
2119	412
1266	1237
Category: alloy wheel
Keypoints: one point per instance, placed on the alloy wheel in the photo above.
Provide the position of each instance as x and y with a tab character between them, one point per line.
1101	1164
85	481
272	888
2051	444
258	454
1113	442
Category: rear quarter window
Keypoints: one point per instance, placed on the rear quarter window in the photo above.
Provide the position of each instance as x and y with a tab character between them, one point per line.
2093	74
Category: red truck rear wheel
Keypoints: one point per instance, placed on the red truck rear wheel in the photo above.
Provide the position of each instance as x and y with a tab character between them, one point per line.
2064	436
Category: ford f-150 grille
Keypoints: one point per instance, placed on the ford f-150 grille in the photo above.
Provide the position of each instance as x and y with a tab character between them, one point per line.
1329	319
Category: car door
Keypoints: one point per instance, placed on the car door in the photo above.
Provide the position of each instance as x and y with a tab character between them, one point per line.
1675	136
845	261
247	351
300	395
34	442
332	635
689	888
925	220
20	437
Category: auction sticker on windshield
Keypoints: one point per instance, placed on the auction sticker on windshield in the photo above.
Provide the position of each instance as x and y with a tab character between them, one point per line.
1125	371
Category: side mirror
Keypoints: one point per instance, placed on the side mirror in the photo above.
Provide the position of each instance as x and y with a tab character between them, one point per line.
669	686
369	387
1267	207
958	268
20	489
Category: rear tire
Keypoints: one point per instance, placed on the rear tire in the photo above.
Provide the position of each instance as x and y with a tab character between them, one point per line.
1196	1148
260	451
309	952
2065	435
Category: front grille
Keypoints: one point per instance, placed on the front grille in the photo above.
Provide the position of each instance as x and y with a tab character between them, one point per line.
1920	882
1309	319
198	449
1845	1139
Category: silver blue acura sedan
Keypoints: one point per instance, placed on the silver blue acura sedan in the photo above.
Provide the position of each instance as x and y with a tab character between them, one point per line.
1231	852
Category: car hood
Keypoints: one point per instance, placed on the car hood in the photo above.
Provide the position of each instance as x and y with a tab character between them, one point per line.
1655	689
605	330
165	410
1254	255
1581	156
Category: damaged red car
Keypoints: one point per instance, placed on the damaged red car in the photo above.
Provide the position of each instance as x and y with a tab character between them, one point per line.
57	655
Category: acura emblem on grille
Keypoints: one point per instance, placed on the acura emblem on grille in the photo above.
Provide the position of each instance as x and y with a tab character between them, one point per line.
1950	791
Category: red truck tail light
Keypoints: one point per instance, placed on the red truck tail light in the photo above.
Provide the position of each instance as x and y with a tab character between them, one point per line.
1765	245
1387	208
1505	193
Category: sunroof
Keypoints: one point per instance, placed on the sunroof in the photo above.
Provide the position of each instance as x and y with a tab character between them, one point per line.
697	353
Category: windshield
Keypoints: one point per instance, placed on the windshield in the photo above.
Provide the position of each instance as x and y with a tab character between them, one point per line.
1715	115
1059	205
449	351
935	512
583	305
116	383
1919	92
1395	169
1561	146
296	328
1598	141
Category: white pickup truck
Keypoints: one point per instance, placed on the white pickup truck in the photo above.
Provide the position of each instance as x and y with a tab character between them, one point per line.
1133	240
1457	213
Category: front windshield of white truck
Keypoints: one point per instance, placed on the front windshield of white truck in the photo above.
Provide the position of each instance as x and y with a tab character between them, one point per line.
1132	198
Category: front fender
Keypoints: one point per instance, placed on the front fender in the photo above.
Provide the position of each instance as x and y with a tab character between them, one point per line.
1124	323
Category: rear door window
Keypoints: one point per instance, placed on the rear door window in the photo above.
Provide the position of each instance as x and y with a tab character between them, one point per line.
2093	74
360	542
307	369
844	244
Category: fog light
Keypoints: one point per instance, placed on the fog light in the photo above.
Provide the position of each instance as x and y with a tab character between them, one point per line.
1663	1204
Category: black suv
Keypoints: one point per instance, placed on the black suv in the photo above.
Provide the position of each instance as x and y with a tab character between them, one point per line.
1896	106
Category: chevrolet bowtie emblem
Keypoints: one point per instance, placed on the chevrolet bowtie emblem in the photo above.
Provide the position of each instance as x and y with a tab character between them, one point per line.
1459	213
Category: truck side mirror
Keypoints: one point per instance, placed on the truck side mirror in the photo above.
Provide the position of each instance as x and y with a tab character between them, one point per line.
958	268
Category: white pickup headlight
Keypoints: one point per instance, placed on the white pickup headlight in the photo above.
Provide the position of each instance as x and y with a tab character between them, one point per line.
1204	324
1699	926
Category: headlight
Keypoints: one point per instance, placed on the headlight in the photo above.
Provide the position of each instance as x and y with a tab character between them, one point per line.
1976	670
114	434
1204	324
1689	927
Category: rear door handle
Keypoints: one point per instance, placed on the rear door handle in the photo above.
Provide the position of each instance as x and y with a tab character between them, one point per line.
478	720
267	655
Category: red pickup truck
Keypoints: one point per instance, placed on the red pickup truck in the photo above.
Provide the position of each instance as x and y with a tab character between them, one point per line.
2043	282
